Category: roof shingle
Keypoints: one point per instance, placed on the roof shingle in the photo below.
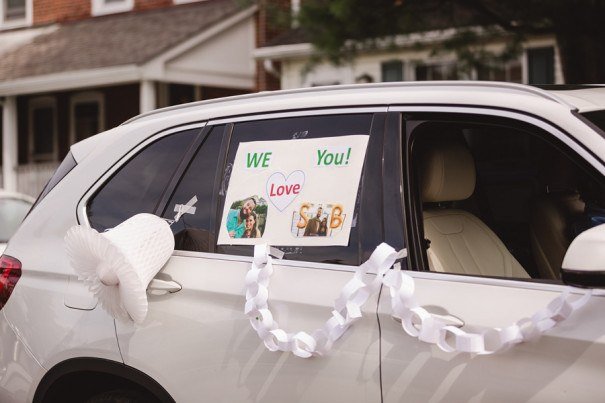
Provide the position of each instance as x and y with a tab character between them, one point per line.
115	40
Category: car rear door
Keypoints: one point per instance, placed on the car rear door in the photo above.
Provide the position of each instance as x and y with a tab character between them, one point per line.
197	342
564	364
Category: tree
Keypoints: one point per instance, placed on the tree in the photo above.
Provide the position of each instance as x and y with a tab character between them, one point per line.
340	29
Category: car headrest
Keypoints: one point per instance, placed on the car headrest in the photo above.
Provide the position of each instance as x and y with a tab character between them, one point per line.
447	172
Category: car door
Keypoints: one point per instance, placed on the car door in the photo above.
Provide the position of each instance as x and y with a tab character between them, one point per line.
566	362
197	342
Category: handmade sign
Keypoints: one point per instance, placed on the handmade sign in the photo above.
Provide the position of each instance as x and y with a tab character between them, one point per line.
297	192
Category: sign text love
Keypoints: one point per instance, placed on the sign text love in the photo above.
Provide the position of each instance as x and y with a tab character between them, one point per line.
282	189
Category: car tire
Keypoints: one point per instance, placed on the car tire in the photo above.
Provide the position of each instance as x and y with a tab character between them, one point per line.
121	396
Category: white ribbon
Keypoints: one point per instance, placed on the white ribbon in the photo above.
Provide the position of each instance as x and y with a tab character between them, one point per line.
415	320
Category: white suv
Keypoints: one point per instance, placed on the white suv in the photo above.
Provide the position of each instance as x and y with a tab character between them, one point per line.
485	184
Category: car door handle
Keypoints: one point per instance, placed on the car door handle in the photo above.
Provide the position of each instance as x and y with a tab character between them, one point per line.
161	287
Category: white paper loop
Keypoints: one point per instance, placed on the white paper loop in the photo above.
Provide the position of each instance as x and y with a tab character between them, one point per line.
415	320
118	265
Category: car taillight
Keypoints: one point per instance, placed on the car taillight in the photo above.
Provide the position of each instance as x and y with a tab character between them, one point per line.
10	271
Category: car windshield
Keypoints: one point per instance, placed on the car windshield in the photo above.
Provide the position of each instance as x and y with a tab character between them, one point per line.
597	118
12	212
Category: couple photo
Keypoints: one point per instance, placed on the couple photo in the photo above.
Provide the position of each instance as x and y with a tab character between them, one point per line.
247	218
314	220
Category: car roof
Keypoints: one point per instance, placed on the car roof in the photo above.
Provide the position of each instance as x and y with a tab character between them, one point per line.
585	98
461	93
385	93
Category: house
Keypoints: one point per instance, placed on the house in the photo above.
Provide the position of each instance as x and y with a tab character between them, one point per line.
72	68
409	57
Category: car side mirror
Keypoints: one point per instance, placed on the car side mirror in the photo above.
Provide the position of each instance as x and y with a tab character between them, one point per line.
584	262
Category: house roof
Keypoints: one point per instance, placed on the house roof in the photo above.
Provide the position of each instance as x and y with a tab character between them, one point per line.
115	40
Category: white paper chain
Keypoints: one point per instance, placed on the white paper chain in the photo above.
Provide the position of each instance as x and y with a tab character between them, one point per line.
415	320
347	307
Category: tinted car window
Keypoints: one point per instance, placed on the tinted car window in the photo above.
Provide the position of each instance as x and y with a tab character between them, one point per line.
194	230
597	118
138	186
66	166
307	127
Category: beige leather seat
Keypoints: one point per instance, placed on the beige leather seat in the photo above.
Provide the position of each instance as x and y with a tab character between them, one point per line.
549	230
553	212
459	241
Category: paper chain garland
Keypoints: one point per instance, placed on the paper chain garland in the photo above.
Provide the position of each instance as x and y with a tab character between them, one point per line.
415	320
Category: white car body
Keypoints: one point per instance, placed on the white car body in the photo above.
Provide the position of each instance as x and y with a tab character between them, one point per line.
197	343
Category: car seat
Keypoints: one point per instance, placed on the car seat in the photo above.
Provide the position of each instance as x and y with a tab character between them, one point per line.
552	214
459	241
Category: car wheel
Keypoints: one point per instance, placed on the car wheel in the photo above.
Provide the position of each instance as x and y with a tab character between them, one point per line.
121	396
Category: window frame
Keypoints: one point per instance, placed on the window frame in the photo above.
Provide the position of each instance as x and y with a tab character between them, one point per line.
27	20
181	170
417	257
101	7
41	103
85	97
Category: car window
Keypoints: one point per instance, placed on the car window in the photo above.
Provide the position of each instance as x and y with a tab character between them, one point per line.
307	127
497	197
138	185
66	166
597	118
12	212
195	230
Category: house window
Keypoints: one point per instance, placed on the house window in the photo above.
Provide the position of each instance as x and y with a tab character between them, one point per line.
392	70
42	129
541	65
15	13
87	115
441	71
511	72
103	7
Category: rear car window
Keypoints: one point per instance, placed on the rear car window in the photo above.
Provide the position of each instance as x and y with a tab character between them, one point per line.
597	118
194	231
137	187
66	166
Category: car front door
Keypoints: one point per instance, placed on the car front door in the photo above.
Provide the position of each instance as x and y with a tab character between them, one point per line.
566	362
198	343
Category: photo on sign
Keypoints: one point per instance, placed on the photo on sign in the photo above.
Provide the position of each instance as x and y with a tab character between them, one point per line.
317	220
247	218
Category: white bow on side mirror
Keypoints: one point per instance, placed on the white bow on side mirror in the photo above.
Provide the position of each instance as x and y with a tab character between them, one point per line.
584	262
